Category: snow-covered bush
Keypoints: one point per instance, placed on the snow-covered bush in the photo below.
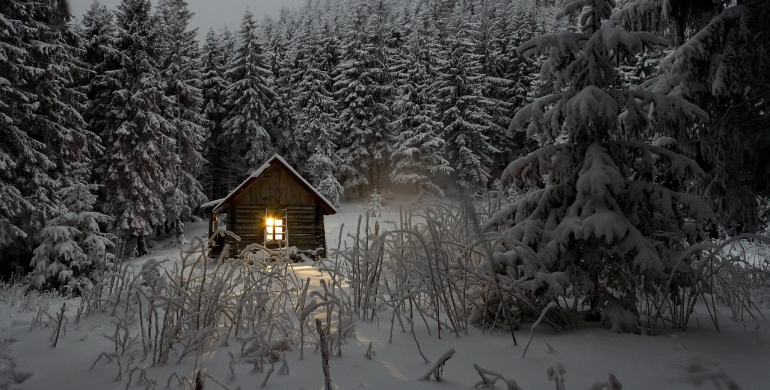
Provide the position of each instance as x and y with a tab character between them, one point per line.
331	189
72	254
375	204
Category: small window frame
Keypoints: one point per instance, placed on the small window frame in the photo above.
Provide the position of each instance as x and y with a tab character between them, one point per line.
274	227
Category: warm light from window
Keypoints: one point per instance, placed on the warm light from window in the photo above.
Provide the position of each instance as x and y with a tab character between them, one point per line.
274	230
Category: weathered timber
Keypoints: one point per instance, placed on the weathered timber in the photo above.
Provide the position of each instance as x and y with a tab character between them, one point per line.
276	191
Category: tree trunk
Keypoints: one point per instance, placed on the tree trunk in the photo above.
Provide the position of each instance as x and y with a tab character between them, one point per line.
179	230
141	246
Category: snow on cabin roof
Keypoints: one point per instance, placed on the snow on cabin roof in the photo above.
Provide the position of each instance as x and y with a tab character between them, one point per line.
259	171
211	204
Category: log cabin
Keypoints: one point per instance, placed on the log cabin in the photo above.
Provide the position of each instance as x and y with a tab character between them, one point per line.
275	207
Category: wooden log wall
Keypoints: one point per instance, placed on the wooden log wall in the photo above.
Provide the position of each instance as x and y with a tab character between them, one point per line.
304	223
277	189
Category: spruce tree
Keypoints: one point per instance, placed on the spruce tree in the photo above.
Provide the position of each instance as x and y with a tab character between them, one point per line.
20	153
279	41
248	101
99	34
612	216
418	148
138	137
469	129
179	64
360	102
43	134
213	87
313	139
721	64
72	254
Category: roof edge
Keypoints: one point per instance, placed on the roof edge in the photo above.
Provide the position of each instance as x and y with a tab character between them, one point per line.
259	171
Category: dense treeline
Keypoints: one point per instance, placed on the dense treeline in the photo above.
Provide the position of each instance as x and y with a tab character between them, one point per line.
123	122
127	112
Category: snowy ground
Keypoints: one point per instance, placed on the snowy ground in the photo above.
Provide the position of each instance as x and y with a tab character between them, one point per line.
669	360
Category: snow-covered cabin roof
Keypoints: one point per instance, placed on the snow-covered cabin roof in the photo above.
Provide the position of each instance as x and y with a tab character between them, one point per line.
210	205
275	159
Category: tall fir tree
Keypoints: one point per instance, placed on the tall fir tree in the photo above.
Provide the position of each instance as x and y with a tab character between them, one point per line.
248	102
612	216
469	129
314	134
214	60
99	34
138	138
179	61
418	148
279	39
44	136
359	95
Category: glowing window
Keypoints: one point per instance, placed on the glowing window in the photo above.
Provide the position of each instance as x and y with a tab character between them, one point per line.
274	230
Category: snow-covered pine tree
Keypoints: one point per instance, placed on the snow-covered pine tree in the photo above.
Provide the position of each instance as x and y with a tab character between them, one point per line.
360	102
484	15
723	66
383	57
513	25
375	203
278	39
248	102
612	215
138	138
43	134
99	34
417	151
179	63
213	87
16	109
313	148
465	111
73	252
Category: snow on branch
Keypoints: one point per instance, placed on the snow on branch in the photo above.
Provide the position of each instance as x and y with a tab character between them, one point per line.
438	368
680	165
680	69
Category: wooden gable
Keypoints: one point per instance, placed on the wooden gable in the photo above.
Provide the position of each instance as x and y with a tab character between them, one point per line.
276	188
276	184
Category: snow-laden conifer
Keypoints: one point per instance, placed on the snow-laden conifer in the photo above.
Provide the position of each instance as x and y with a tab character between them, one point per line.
72	255
180	70
137	135
469	128
43	134
280	41
313	148
216	53
418	149
613	214
213	86
360	101
248	100
720	64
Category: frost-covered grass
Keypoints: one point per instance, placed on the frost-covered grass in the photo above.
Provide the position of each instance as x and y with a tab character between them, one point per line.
158	321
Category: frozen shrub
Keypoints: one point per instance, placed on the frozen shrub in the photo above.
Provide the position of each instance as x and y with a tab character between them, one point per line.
376	201
72	254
